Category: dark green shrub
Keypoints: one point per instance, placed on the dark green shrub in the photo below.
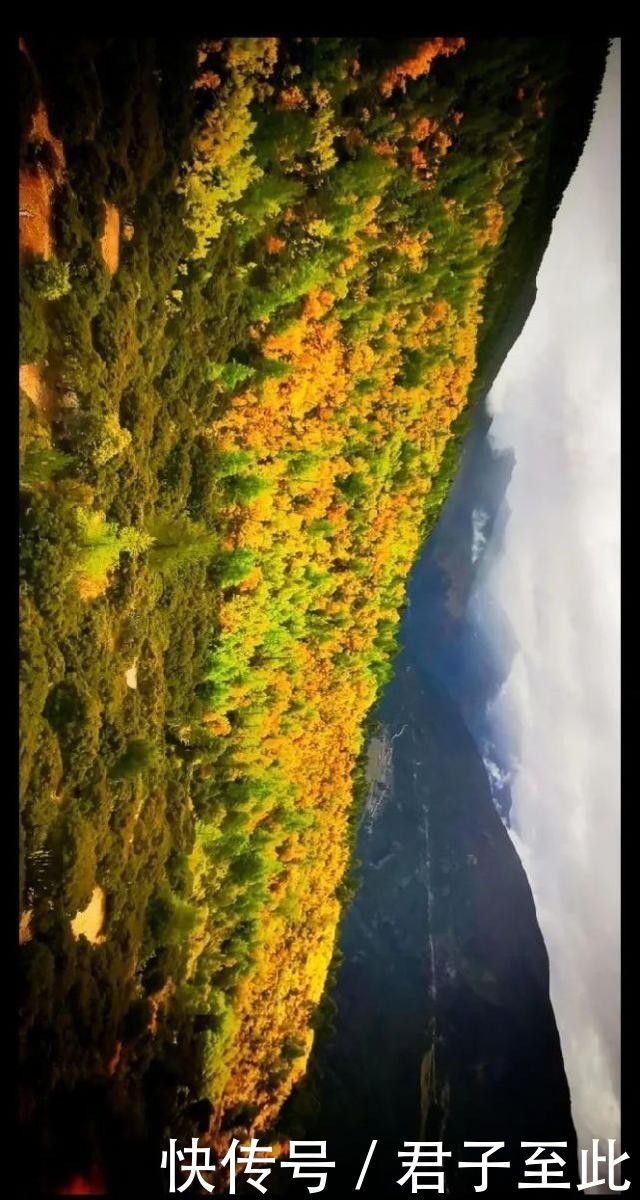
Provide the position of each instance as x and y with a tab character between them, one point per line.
139	757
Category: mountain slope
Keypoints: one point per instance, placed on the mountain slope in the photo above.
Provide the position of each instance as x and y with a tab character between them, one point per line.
251	403
443	1028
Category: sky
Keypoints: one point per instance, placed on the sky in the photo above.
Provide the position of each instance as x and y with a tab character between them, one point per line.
556	403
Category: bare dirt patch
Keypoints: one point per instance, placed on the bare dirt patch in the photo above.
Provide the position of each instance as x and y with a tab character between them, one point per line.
114	1061
158	1002
36	185
33	385
25	933
131	675
130	828
35	189
110	240
88	921
40	132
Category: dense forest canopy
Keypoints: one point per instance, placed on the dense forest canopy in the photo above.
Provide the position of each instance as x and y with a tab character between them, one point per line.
254	276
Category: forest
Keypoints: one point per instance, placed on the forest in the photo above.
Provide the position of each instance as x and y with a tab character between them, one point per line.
261	280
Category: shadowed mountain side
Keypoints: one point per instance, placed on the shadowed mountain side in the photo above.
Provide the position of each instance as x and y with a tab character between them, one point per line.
441	629
444	1026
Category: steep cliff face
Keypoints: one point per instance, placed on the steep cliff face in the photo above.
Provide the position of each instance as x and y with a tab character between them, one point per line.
251	408
443	1027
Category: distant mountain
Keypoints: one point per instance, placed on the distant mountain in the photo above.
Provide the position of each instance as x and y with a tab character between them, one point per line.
472	658
444	1028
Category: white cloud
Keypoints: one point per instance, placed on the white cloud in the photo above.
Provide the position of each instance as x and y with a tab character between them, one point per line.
499	776
557	403
479	519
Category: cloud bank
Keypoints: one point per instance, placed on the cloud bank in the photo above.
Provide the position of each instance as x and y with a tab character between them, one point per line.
557	403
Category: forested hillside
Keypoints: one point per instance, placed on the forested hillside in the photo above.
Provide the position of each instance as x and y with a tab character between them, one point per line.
445	970
253	281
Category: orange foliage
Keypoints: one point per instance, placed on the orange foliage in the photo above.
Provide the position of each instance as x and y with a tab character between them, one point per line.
216	724
274	244
385	148
376	341
292	97
440	141
420	63
418	159
208	80
330	681
493	223
422	127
